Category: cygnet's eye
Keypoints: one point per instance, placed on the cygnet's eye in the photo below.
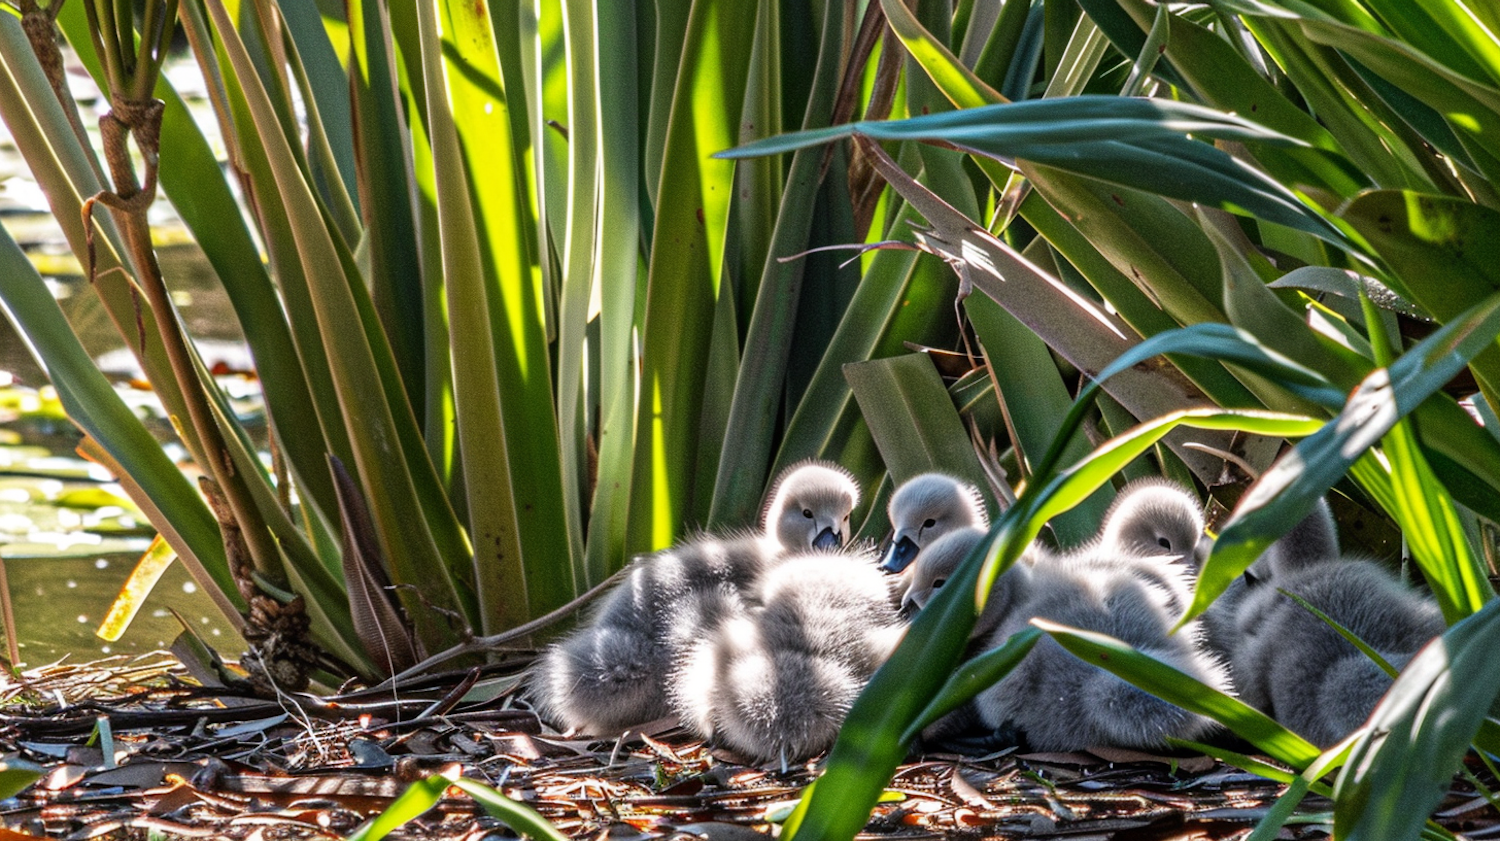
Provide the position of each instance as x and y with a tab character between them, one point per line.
938	582
807	512
1164	543
929	523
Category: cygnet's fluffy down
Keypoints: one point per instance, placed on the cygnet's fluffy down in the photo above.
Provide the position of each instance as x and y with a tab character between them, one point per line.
1125	584
612	673
1155	527
1314	537
1295	667
775	681
1056	701
925	508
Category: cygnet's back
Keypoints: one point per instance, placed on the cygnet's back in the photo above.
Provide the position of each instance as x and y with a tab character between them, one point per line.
775	682
1055	701
612	673
925	508
1293	665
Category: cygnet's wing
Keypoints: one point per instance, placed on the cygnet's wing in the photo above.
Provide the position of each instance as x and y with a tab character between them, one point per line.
926	507
774	705
809	506
600	680
612	673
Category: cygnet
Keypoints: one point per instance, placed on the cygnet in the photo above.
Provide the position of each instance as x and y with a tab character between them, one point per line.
774	681
1296	668
612	673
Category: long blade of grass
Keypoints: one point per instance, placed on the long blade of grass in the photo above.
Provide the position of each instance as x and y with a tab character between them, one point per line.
368	415
912	418
1270	826
138	585
1172	685
1404	763
1429	522
1145	150
947	72
526	498
1286	493
415	800
502	588
516	815
973	677
684	270
578	281
386	191
762	374
620	157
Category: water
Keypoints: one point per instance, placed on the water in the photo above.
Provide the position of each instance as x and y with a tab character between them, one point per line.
68	536
60	600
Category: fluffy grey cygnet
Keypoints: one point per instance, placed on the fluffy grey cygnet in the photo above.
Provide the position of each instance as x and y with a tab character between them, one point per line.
775	680
925	508
1053	700
1295	667
612	673
1313	537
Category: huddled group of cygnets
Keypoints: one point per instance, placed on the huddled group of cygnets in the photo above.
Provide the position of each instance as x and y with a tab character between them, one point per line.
760	641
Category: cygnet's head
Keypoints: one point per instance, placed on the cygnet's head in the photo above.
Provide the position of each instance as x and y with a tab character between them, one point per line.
936	564
925	508
810	505
1153	517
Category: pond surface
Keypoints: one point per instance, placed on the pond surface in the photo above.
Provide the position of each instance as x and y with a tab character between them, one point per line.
69	539
68	536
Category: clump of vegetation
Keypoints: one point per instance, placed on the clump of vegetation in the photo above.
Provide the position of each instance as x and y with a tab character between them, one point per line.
515	322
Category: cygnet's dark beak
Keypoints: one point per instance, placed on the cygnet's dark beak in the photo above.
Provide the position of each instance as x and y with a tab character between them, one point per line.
908	609
827	539
900	555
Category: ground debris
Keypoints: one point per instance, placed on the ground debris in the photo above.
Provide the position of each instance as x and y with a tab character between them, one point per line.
179	761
